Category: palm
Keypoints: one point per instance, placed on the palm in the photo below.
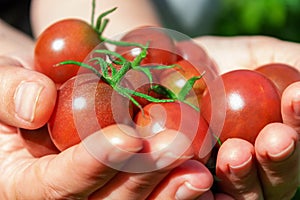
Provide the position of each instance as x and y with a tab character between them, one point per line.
249	52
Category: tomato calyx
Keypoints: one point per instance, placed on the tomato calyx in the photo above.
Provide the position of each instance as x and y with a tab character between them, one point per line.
112	76
101	24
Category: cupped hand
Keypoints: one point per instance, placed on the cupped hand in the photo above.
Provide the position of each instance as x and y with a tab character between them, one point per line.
27	100
76	173
270	168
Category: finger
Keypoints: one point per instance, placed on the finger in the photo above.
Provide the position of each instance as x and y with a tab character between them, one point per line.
277	152
187	181
21	58
27	97
76	172
221	196
147	169
236	170
209	195
290	106
4	129
206	196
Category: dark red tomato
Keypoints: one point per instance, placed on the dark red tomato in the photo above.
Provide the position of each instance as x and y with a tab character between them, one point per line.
195	54
281	74
177	116
38	142
175	78
252	102
69	39
84	105
162	49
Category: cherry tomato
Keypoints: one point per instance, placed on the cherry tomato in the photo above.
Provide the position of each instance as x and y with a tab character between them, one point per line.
69	39
162	49
252	102
196	55
177	116
84	105
282	75
175	78
38	142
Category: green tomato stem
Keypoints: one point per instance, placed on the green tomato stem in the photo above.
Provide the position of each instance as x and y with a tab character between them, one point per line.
100	18
122	43
103	26
103	65
93	13
112	53
120	74
145	96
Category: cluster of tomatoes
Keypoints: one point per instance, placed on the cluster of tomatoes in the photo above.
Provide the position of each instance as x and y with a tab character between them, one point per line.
153	82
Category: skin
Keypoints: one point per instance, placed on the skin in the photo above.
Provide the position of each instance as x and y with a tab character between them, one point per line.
20	170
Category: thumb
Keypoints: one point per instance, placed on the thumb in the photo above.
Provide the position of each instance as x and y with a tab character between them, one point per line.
27	97
80	170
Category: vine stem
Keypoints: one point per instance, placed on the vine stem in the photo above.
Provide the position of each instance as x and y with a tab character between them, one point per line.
93	13
99	26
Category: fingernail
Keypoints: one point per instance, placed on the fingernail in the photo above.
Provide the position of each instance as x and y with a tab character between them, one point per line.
25	98
188	191
296	105
241	169
283	154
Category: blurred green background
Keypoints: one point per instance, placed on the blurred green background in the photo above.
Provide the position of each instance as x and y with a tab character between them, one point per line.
277	18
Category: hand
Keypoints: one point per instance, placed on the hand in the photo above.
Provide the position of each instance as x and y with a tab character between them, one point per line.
76	173
269	169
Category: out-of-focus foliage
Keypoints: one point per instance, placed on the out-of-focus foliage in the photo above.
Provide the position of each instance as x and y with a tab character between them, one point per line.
297	196
278	18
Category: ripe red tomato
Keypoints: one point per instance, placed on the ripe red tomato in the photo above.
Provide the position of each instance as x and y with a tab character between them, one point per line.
282	75
252	102
84	105
162	49
38	142
69	39
175	78
196	55
177	116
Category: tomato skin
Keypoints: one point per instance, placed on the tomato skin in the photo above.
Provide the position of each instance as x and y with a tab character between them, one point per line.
177	116
68	39
176	77
252	102
83	110
282	75
196	55
162	49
